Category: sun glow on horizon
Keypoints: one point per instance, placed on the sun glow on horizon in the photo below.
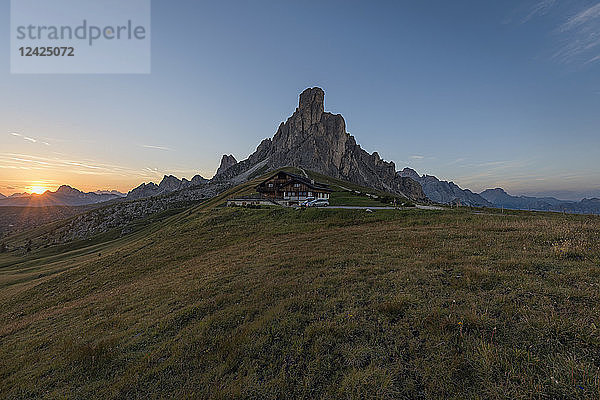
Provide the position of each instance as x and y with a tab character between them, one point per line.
37	189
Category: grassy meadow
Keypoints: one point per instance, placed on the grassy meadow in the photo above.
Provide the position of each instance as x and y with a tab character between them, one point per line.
279	303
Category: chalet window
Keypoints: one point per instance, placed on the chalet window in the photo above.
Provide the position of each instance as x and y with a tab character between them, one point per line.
296	185
309	194
270	185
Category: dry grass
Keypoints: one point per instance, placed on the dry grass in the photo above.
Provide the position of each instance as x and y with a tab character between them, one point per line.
277	303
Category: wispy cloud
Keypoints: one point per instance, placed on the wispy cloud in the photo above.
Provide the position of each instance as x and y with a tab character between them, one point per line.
593	60
149	146
580	37
576	34
83	167
538	9
582	17
457	161
495	173
28	162
417	157
29	139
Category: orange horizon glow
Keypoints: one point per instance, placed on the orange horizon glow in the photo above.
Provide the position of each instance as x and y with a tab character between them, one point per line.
37	189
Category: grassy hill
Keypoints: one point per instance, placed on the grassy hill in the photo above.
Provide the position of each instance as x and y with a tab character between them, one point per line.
279	303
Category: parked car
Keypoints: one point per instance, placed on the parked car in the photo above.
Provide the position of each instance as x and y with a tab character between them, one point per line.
305	202
318	203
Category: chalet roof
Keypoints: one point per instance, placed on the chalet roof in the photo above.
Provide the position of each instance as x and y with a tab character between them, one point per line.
300	179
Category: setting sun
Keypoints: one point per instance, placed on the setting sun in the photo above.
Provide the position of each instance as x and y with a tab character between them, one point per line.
38	189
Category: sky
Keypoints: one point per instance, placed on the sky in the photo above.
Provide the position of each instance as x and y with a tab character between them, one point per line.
483	93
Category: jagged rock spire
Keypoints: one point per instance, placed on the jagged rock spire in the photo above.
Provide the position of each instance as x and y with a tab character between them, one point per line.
226	162
311	106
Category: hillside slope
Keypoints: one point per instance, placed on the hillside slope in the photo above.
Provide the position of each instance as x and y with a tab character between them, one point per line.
281	303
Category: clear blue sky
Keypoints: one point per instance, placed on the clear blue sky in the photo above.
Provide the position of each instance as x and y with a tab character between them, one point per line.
484	93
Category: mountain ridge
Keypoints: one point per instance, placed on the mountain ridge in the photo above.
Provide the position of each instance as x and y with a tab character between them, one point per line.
445	192
168	184
65	195
500	198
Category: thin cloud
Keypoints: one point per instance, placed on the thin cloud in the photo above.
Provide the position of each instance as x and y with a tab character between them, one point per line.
577	37
580	37
591	61
417	157
149	146
582	17
29	139
85	167
539	9
458	160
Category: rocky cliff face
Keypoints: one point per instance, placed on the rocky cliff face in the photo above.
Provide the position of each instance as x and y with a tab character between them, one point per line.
317	140
444	192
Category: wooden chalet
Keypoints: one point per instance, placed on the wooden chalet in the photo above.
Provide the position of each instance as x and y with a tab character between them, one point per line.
288	189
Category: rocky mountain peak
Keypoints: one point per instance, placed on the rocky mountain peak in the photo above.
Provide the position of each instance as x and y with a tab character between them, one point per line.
226	162
169	183
317	140
496	190
411	173
312	105
495	195
66	190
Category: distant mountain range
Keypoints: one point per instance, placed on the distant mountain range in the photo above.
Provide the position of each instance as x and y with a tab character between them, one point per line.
63	196
444	192
499	198
168	184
